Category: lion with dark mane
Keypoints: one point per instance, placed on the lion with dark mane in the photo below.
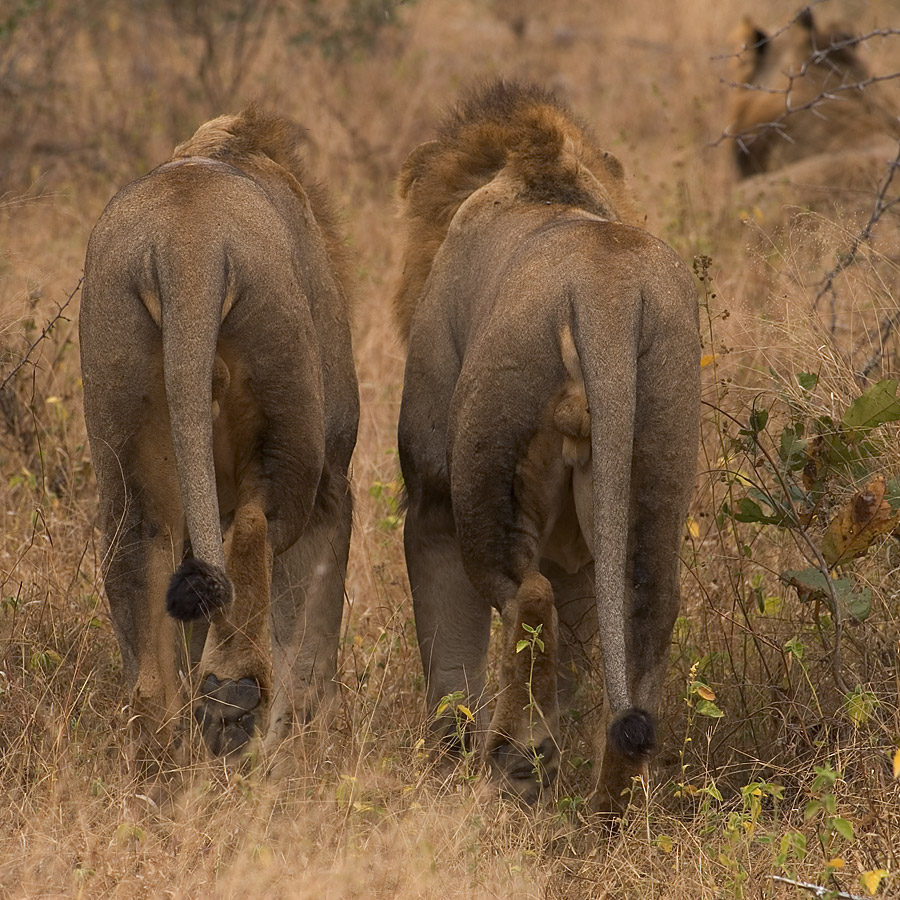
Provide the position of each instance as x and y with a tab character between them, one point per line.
221	407
548	429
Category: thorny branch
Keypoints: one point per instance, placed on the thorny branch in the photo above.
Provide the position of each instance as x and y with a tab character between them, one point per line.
817	56
43	335
848	257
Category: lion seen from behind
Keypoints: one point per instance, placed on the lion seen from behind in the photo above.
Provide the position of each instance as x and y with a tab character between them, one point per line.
220	399
548	429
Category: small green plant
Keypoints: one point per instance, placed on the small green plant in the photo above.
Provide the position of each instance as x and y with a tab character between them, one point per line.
463	721
534	643
387	494
817	478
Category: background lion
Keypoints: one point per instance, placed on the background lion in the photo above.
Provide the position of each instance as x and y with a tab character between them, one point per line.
800	95
814	137
548	427
212	301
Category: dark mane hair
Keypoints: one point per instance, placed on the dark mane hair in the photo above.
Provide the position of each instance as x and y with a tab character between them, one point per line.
520	129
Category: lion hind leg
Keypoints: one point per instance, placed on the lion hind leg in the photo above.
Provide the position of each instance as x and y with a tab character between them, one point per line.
141	556
236	663
307	606
452	626
522	748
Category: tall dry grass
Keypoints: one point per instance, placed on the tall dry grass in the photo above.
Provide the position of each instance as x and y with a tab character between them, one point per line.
94	94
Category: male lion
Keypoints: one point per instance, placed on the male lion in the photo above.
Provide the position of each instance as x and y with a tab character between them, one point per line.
220	396
803	91
548	427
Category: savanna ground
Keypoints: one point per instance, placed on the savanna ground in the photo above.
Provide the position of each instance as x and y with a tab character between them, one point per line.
780	716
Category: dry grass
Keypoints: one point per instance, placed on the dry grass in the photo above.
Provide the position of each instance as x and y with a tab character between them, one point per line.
95	94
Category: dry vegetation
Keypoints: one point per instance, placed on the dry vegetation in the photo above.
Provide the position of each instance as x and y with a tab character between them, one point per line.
778	750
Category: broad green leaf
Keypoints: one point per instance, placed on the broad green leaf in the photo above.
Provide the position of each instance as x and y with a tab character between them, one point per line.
752	512
665	843
812	585
842	827
859	706
709	709
877	405
793	449
858	603
807	380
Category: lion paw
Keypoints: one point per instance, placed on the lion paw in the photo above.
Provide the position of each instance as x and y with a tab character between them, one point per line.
524	772
227	713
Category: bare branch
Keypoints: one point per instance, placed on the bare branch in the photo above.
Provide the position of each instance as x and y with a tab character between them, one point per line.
43	335
848	257
817	889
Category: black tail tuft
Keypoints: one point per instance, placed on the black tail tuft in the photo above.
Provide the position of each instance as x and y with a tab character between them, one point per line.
633	734
196	589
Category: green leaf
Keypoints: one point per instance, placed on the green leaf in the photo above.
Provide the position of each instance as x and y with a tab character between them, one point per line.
859	706
708	708
521	645
752	512
842	827
879	404
812	585
859	604
793	448
807	380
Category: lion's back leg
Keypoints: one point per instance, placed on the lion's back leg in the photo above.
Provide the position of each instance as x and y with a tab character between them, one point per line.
273	412
307	604
141	515
452	618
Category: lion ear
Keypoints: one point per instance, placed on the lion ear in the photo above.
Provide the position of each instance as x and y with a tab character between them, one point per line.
414	167
748	35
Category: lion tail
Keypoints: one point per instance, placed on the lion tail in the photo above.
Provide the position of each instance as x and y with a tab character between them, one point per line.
607	349
191	294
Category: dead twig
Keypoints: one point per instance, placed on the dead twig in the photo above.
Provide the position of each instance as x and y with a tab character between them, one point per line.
848	257
817	889
43	335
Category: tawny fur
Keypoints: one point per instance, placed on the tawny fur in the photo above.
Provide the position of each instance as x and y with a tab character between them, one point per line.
255	135
221	401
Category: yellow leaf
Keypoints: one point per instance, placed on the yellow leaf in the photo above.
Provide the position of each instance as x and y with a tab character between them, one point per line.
706	360
693	527
705	692
872	880
466	712
836	863
897	764
665	843
52	400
